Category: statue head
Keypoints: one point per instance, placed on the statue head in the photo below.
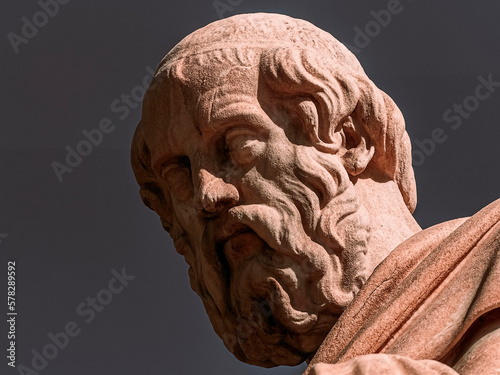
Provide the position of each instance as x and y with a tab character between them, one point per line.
258	132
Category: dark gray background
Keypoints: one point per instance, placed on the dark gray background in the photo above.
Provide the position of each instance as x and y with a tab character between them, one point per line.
66	237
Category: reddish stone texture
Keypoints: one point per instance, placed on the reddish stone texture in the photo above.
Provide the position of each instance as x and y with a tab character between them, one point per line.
284	177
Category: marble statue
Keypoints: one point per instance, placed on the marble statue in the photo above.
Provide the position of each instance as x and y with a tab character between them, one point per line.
284	177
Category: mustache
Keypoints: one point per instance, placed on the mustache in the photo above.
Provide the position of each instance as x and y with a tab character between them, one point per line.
281	230
268	223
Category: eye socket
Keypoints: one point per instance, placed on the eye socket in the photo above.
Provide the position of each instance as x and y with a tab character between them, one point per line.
177	175
243	145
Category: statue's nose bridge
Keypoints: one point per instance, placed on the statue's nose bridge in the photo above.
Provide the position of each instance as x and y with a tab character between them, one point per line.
204	170
212	193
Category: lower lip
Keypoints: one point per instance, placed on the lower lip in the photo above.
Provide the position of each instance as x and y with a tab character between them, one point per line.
242	246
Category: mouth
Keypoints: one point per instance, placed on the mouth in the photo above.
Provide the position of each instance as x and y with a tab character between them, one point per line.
242	245
227	231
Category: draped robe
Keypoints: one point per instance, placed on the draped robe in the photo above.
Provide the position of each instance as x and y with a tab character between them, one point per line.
430	300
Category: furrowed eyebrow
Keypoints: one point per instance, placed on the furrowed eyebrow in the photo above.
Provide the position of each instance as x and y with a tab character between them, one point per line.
168	151
245	118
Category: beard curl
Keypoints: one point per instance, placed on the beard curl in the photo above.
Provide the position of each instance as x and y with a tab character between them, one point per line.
308	262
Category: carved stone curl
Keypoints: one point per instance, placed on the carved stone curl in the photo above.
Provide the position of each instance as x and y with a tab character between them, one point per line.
283	175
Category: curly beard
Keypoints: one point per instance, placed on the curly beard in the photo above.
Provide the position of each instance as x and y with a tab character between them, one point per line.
283	272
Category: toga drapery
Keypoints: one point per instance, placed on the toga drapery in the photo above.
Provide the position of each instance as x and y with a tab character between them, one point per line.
429	299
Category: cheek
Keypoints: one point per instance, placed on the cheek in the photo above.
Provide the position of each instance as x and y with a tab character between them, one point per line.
270	170
186	223
255	186
275	159
180	186
281	154
185	193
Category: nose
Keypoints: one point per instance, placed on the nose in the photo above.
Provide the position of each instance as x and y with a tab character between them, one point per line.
214	195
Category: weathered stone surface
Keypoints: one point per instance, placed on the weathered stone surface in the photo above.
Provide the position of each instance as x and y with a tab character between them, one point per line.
283	175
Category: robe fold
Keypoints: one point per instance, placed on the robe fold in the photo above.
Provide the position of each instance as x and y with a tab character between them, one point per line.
428	298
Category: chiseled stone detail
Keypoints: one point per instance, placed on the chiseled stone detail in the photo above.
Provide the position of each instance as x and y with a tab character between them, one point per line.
283	175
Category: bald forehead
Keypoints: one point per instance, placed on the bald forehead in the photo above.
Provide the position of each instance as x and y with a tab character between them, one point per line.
204	94
234	93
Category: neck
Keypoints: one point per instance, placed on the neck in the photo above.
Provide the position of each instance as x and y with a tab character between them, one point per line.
391	222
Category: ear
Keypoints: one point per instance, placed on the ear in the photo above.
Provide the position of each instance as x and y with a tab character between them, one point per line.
356	150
